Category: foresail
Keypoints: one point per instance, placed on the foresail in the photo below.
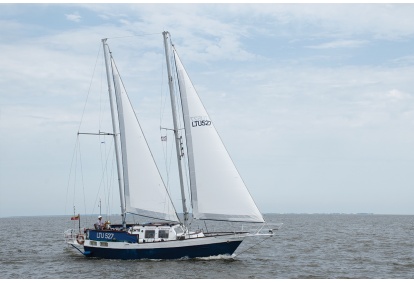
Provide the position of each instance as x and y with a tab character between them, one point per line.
145	192
217	190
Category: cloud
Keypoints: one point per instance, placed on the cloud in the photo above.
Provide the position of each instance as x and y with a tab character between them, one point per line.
340	44
404	60
75	17
395	94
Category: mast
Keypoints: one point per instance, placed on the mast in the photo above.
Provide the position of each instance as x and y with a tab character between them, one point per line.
178	143
118	163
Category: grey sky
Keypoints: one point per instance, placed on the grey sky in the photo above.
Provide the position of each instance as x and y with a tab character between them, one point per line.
314	102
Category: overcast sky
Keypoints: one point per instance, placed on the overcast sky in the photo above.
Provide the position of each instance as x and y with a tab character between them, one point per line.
314	102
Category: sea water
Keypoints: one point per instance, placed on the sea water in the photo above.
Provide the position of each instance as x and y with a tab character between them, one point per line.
306	246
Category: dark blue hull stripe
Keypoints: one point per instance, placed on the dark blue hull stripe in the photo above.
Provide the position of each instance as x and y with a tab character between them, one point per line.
165	253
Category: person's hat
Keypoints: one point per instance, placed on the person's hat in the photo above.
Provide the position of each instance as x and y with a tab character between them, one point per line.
99	216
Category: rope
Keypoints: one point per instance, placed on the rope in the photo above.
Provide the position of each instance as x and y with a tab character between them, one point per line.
89	89
252	246
77	145
83	183
70	172
145	34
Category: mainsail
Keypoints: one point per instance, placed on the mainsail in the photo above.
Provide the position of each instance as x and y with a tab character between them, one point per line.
217	190
145	191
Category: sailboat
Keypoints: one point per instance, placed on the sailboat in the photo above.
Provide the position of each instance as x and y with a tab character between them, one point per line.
217	190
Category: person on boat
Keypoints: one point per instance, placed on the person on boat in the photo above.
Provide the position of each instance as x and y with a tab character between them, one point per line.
100	224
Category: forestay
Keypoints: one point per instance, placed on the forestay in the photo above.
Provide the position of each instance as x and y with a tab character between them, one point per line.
218	192
145	192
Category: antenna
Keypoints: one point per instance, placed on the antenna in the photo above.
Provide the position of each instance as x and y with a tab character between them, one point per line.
100	207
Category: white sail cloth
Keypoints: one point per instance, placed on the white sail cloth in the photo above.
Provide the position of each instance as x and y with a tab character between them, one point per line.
145	192
217	190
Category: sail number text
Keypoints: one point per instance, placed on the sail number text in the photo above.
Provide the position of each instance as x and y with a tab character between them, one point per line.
200	121
107	236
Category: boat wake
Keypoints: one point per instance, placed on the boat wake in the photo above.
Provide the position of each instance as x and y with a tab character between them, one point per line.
216	257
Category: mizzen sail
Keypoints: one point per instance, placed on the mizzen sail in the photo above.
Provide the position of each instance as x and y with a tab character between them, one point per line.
145	192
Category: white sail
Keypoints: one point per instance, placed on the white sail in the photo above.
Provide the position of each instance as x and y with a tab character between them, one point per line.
217	190
145	191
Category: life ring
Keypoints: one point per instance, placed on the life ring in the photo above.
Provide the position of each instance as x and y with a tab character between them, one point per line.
80	239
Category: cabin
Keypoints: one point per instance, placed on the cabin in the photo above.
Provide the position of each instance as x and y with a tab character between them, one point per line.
142	233
156	232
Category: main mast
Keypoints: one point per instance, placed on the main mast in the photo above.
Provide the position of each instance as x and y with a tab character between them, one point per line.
118	161
176	134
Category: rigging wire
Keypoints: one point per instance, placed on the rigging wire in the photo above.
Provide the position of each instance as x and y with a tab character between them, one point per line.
164	146
164	142
103	141
118	148
110	185
83	184
70	172
76	156
179	114
89	89
163	98
184	140
106	183
126	36
253	246
75	175
166	151
80	123
116	68
102	149
102	177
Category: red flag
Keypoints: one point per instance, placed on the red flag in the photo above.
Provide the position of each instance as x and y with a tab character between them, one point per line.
75	217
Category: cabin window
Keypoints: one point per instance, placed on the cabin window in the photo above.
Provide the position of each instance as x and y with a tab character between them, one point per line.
150	234
163	234
178	230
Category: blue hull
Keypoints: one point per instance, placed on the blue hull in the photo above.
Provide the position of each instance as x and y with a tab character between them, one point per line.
165	253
